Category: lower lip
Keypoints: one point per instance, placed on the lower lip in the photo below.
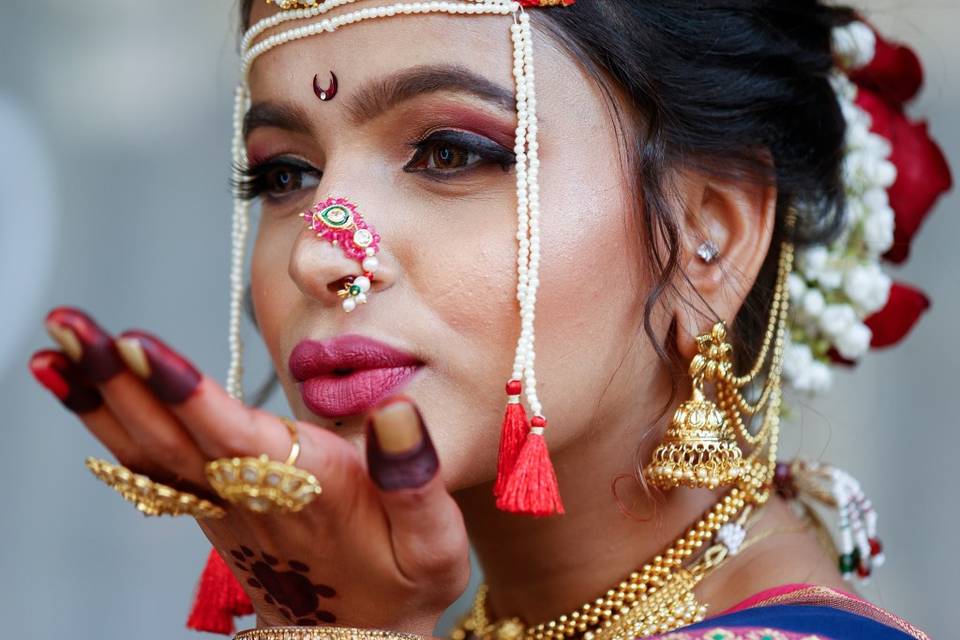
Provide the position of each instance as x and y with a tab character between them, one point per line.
332	396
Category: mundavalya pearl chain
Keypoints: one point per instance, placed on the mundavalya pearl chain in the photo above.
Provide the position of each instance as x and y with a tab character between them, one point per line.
527	167
533	194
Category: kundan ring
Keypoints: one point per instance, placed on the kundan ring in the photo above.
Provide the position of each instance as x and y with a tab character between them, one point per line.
151	498
338	221
263	485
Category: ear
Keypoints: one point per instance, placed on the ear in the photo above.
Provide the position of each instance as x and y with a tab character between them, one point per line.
738	217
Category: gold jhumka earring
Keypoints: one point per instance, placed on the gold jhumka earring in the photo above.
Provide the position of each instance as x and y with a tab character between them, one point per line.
700	447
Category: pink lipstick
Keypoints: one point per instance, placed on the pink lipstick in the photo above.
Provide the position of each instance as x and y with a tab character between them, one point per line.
348	375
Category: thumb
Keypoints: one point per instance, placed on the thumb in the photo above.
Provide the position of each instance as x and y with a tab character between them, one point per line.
426	527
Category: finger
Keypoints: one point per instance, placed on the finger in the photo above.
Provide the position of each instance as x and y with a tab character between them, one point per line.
54	370
426	527
154	429
223	426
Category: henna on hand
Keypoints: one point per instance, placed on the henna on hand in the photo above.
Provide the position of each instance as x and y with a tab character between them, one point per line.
291	590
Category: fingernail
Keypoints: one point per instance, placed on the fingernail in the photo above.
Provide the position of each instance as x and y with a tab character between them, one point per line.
400	454
61	377
87	344
170	376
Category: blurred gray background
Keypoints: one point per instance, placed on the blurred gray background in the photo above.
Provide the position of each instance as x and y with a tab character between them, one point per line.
114	129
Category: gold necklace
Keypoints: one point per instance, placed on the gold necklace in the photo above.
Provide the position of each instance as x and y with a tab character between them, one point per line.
657	595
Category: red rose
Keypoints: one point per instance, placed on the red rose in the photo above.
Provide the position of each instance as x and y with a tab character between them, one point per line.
895	72
922	170
892	323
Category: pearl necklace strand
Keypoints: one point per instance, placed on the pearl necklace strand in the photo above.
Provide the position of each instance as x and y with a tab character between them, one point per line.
528	201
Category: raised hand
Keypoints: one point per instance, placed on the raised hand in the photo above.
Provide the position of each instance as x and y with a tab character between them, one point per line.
383	545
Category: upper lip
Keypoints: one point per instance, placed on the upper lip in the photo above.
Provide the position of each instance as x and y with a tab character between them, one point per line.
343	354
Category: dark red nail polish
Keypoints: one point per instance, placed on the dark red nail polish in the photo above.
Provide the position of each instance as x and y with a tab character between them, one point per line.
400	453
168	374
61	377
98	358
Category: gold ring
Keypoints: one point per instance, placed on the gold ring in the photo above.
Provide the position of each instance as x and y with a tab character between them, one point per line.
294	440
263	485
151	498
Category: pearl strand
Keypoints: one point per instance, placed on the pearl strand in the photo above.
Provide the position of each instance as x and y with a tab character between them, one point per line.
240	228
520	149
332	24
528	304
241	208
286	16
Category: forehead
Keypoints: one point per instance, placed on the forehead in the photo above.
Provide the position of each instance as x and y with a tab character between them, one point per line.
375	47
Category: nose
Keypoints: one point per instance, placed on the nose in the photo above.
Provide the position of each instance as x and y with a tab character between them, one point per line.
322	271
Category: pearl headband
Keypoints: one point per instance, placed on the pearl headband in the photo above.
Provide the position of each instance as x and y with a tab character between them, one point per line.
526	482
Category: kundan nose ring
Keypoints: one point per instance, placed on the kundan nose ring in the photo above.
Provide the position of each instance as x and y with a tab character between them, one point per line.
338	221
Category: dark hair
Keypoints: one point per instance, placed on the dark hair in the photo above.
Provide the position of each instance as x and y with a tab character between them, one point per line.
735	88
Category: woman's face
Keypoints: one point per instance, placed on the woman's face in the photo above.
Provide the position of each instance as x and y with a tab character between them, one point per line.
420	137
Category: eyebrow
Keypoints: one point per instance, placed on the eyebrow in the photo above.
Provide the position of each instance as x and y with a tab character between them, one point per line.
382	94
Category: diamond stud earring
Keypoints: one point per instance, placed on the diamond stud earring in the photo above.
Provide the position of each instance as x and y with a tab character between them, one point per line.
708	251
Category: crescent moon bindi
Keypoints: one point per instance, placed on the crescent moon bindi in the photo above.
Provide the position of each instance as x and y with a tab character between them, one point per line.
329	92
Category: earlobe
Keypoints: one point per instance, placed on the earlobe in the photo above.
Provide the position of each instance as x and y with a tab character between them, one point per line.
737	219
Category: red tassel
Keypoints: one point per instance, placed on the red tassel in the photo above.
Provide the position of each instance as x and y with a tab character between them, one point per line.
532	486
219	598
511	437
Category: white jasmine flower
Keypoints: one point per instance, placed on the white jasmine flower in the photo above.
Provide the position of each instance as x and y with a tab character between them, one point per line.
854	342
803	371
813	303
836	319
867	286
875	199
796	286
878	230
830	279
819	377
797	359
884	173
812	260
855	44
875	144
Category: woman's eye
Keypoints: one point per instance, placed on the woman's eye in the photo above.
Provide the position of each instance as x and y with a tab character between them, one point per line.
277	179
283	180
447	153
450	157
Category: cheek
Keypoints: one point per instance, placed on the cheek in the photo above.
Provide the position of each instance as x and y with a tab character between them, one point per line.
589	303
272	291
464	276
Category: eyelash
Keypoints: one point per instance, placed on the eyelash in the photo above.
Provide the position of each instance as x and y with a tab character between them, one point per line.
254	182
